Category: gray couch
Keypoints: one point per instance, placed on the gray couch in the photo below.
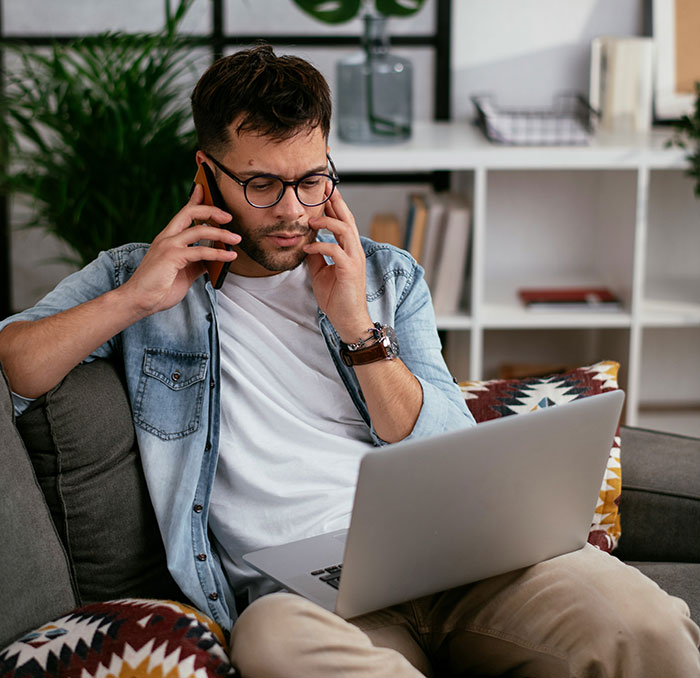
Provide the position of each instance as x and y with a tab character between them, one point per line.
77	525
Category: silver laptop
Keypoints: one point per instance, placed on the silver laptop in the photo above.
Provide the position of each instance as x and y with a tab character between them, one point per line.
436	513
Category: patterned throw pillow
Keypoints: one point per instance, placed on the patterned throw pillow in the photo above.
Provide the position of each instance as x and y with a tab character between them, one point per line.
134	638
502	397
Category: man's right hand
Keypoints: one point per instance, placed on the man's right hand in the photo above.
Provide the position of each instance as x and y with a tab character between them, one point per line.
37	354
173	261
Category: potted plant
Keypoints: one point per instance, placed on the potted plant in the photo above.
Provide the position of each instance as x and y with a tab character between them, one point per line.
98	136
374	88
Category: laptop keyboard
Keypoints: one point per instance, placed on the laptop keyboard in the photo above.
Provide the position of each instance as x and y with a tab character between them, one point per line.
330	575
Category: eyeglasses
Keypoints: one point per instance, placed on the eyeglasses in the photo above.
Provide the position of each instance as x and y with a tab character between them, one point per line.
266	190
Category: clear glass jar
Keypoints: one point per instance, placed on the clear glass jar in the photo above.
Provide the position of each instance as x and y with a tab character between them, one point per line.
374	90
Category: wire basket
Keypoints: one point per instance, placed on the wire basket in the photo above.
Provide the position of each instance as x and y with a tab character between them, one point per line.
570	122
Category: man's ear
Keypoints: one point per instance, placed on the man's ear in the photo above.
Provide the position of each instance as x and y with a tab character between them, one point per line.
200	157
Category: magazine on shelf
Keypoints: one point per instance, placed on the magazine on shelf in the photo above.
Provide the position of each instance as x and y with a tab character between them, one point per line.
569	299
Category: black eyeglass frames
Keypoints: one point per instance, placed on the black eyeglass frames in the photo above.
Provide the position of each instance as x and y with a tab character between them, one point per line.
266	190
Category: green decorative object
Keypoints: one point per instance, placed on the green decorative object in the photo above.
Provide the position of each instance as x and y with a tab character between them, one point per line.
97	135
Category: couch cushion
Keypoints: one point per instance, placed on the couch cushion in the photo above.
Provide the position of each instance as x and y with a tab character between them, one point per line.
503	397
36	582
678	579
121	638
80	437
660	497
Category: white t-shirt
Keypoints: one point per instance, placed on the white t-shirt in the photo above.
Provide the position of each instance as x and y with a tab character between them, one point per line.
291	438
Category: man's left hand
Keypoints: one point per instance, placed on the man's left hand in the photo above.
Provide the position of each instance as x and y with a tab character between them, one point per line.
340	289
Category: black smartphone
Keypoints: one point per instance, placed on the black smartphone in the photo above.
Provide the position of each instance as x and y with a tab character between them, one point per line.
212	196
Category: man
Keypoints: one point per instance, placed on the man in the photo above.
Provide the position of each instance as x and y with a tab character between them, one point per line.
253	405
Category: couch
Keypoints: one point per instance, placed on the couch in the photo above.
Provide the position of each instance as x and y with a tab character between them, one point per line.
77	527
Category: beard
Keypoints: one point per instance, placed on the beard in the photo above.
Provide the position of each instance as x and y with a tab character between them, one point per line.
273	258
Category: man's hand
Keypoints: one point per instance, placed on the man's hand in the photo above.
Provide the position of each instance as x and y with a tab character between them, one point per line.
173	261
340	289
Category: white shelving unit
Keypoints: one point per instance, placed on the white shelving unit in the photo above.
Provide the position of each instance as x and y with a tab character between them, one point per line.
618	212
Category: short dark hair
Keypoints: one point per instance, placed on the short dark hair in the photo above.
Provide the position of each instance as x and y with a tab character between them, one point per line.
276	96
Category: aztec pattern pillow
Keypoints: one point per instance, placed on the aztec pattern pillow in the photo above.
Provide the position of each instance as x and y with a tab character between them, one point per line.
502	397
130	638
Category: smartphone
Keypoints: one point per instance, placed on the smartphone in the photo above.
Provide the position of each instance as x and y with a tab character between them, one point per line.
212	196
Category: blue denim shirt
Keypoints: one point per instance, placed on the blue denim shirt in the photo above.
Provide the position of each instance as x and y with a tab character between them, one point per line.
172	371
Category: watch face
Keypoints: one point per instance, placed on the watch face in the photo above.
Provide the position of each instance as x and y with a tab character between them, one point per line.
391	341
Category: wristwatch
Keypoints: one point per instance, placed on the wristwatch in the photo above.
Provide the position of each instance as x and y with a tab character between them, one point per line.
382	344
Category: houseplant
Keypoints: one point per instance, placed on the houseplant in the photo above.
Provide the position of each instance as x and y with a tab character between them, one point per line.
98	136
374	87
687	135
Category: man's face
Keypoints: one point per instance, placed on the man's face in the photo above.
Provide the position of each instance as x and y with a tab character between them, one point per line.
272	237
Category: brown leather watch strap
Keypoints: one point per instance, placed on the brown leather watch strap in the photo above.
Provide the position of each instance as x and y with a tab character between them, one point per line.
362	356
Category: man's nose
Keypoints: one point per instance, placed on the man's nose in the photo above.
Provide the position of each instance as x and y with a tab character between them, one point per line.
289	206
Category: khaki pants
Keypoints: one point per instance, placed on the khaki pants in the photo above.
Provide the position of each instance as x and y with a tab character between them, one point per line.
584	614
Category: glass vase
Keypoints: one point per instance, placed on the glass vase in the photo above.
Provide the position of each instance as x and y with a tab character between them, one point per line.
374	92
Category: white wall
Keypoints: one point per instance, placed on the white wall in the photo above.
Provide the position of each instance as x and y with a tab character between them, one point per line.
526	51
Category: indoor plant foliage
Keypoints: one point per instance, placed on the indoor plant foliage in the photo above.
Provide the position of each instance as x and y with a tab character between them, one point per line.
688	135
98	136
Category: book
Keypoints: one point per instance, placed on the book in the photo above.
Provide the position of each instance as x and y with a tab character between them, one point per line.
434	233
569	299
385	227
415	225
621	82
451	261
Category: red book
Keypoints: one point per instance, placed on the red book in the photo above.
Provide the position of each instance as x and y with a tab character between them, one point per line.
570	298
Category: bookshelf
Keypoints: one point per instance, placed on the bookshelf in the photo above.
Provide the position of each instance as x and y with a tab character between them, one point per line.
619	212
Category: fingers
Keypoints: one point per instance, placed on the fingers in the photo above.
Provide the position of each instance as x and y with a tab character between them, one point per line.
328	249
194	210
340	222
206	232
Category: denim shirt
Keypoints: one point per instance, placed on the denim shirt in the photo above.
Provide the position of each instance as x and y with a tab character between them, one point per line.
172	372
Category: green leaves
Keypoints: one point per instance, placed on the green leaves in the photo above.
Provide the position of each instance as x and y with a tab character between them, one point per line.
399	7
688	135
340	11
331	11
98	135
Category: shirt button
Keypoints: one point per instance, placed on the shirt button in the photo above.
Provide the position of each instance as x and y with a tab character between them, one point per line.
209	317
207	447
212	383
175	376
198	508
214	596
202	557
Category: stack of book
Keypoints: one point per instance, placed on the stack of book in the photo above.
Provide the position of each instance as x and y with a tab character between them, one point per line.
436	234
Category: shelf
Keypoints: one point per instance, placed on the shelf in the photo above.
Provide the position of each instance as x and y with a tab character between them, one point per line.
618	212
504	310
672	303
461	146
459	321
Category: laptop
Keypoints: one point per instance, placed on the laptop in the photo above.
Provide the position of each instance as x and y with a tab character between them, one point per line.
440	512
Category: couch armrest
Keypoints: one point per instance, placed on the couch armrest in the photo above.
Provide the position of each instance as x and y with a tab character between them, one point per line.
660	503
36	579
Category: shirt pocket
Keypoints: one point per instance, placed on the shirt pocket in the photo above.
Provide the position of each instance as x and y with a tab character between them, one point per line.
171	392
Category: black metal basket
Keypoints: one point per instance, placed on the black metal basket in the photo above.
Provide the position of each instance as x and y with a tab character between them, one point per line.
570	122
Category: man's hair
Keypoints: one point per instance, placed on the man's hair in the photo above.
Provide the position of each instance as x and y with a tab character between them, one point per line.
275	96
